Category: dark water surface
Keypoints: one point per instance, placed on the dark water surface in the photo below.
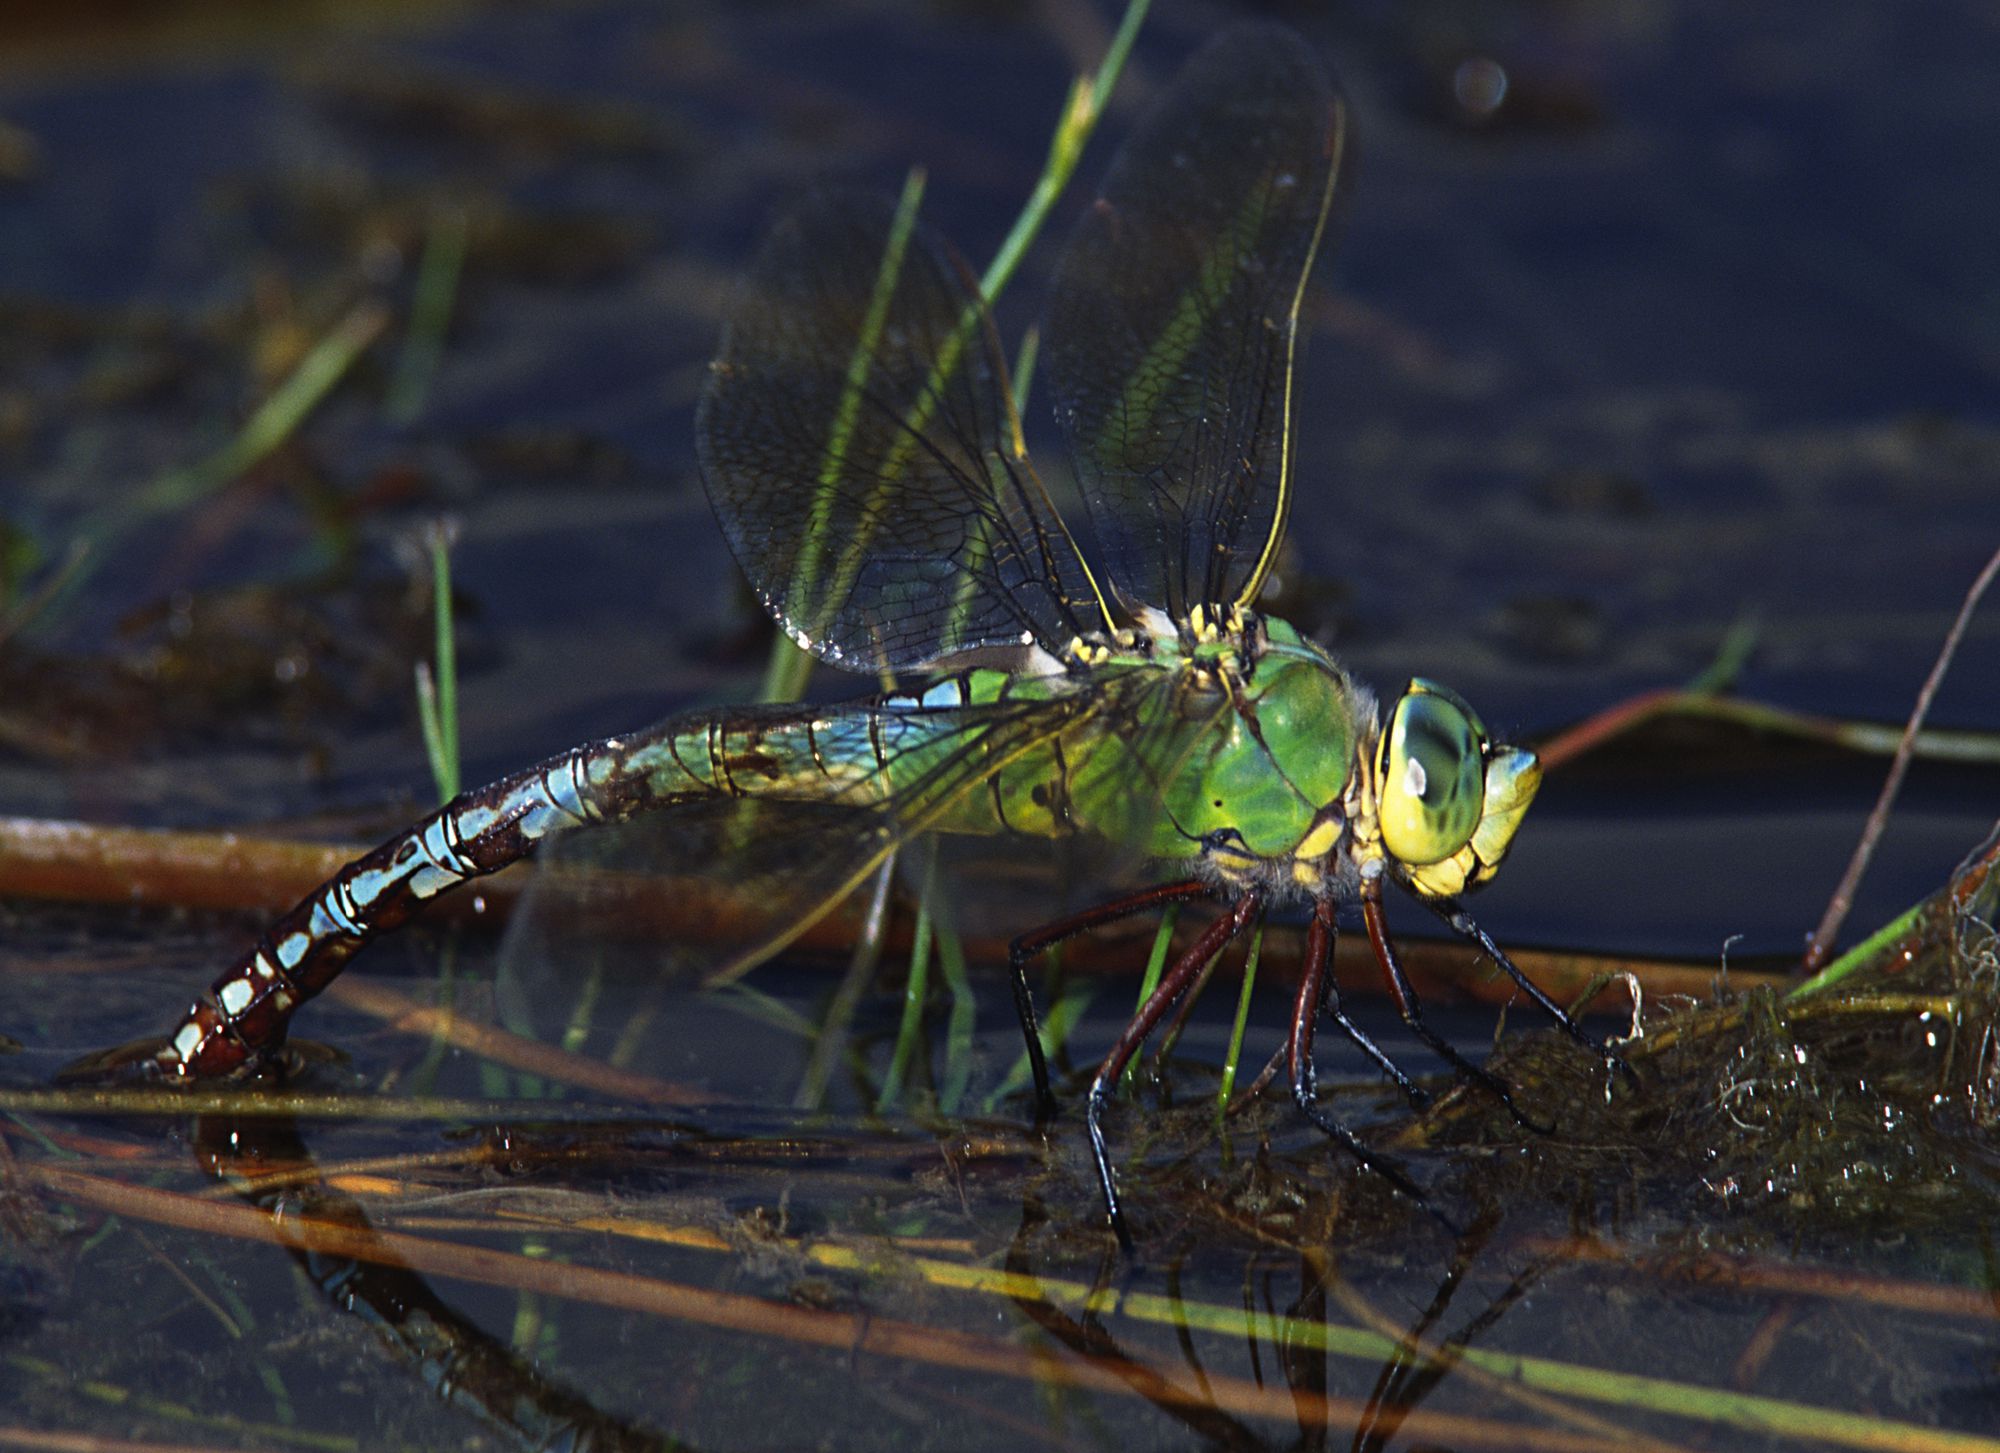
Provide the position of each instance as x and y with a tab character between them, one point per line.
1700	326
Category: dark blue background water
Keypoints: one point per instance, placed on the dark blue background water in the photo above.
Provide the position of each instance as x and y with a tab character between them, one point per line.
1701	325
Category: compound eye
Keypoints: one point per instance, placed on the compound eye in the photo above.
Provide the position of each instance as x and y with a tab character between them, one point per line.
1432	771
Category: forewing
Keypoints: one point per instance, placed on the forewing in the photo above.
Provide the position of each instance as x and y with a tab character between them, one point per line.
1172	332
857	448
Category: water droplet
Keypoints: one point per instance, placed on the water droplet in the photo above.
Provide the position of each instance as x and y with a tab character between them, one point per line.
1479	85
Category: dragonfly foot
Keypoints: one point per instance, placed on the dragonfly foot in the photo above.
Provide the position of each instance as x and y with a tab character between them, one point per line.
1113	1211
1499	1089
1381	1165
1126	1246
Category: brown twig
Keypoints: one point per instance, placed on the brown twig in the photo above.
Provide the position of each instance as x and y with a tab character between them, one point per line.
1757	716
1715	1270
81	862
1821	942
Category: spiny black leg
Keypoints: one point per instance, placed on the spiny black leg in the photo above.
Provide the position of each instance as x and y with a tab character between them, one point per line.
1314	983
1092	1113
1329	1007
1416	1094
1038	941
1412	1011
1214	939
1031	1027
1461	923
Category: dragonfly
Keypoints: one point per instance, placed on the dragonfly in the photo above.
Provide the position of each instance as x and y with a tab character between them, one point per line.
860	446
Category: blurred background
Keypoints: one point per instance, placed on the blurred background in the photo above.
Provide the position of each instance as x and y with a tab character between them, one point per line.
1651	330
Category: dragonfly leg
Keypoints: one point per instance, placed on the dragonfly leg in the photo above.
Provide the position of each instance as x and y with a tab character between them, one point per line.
1315	992
1416	1094
1461	923
1214	939
1412	1010
1328	1006
1040	940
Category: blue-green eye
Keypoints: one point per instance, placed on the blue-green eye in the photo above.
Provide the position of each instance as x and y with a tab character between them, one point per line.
1432	775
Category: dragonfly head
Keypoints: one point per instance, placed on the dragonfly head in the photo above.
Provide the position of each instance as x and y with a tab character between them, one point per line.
1449	800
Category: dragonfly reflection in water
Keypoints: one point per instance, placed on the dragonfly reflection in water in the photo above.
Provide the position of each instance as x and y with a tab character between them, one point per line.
858	444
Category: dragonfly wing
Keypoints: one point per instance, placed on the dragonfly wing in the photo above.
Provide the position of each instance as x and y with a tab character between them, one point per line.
721	884
1175	318
706	889
855	439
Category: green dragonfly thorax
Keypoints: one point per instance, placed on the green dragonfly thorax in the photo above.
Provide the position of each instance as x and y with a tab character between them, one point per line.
1291	732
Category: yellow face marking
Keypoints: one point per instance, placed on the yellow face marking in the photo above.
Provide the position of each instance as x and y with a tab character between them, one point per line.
1358	804
1446	879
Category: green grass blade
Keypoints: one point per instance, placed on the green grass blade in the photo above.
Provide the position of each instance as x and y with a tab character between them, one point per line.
786	673
1234	1055
1079	119
909	1030
1065	1012
1156	963
437	695
961	1021
324	366
756	1005
831	1039
1073	129
431	305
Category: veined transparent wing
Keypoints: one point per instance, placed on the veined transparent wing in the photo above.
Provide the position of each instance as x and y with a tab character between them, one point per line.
725	883
1175	320
857	446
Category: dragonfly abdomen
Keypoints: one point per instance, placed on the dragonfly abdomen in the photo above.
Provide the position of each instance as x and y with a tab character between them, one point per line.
856	755
246	1010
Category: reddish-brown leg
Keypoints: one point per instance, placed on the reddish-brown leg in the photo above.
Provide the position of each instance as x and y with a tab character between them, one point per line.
1023	949
1173	984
